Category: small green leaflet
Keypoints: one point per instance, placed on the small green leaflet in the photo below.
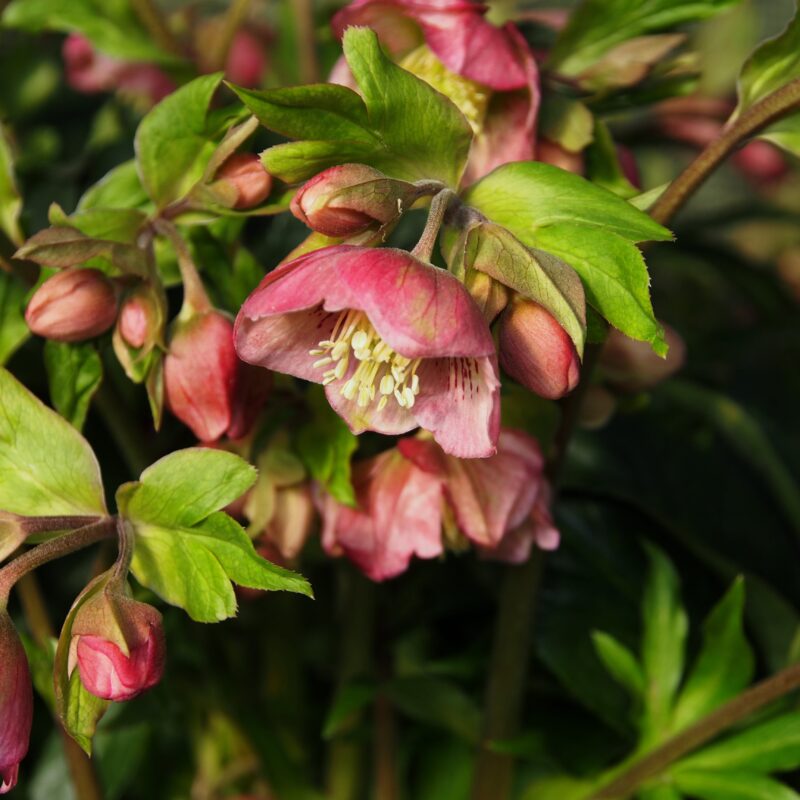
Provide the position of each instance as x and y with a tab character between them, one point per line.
402	126
74	372
13	329
10	201
46	466
185	549
589	228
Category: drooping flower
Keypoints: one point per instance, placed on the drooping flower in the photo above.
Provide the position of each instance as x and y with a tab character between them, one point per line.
488	72
16	703
399	516
396	342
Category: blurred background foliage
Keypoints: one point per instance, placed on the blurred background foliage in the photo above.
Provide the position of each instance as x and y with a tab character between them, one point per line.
704	468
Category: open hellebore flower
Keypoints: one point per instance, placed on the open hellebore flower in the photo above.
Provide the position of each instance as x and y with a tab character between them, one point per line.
396	342
399	515
488	72
117	645
16	703
536	351
75	304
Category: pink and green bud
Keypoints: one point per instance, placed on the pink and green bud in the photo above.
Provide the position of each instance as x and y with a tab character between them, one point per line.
536	351
16	704
117	645
75	304
632	366
200	371
349	199
135	321
397	343
245	175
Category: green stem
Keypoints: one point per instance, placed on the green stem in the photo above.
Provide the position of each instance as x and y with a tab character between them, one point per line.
48	551
741	707
755	119
151	17
234	17
439	205
306	40
195	298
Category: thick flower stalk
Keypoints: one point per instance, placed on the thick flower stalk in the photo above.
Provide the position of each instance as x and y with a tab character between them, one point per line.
16	703
396	342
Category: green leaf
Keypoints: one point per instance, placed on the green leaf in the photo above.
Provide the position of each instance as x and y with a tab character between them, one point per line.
597	26
436	702
111	25
326	447
725	664
186	486
534	274
663	643
13	328
402	125
771	746
192	567
10	201
348	701
46	466
602	164
114	224
614	277
40	660
74	372
119	188
567	122
172	142
621	663
558	787
528	195
731	785
659	792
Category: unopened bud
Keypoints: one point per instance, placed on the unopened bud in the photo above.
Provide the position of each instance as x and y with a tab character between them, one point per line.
16	704
75	304
246	174
246	59
490	295
536	351
346	200
200	374
632	366
134	321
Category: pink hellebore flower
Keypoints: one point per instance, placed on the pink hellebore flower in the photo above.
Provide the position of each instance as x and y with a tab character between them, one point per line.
399	516
16	704
397	343
498	60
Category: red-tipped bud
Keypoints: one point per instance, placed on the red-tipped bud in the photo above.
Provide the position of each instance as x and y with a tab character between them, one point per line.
246	174
536	351
16	704
200	374
246	59
633	366
73	305
346	200
118	645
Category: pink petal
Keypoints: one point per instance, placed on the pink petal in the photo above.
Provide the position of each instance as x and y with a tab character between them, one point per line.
391	420
459	403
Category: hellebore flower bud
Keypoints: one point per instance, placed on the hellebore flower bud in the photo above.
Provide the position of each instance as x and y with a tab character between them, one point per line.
134	322
246	59
200	372
633	366
536	351
246	174
117	644
345	200
73	305
16	704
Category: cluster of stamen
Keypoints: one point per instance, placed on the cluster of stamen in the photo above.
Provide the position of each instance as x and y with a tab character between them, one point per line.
380	370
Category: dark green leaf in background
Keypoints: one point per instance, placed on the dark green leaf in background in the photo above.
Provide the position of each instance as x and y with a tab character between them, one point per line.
75	372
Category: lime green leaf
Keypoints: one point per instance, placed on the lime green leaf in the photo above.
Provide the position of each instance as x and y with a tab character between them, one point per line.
75	373
401	126
192	567
597	26
732	786
558	787
725	664
112	26
114	224
772	746
46	466
119	188
10	201
186	486
567	122
620	662
663	643
527	195
13	328
661	792
172	142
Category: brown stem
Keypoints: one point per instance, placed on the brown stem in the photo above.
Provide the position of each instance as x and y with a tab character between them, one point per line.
234	17
424	247
125	549
765	112
51	524
84	779
151	17
306	40
386	786
686	741
55	548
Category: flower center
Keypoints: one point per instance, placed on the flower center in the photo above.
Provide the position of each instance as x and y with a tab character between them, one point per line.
380	370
